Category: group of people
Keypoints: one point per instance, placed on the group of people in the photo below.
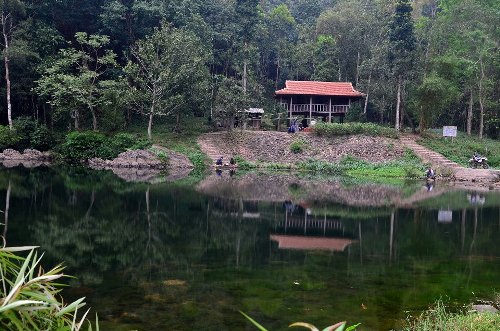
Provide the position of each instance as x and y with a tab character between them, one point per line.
220	162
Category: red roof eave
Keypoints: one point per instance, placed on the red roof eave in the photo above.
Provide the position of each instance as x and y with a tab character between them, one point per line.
344	89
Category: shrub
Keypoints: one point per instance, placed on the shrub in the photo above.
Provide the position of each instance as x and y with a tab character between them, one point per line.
8	138
41	138
24	126
123	141
297	146
370	129
82	146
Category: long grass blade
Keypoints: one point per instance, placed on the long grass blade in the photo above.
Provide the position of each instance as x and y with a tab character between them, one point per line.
336	327
18	249
305	325
260	327
20	303
71	307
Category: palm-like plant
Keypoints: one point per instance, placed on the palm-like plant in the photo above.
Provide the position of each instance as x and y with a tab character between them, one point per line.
29	295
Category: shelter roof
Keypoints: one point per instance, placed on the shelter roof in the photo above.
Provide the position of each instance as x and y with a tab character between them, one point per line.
293	87
255	110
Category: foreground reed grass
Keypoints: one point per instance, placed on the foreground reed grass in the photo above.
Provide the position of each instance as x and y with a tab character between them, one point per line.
29	296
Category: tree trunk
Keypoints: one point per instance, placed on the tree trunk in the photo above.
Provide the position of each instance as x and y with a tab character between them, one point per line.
245	71
481	107
151	113
77	126
94	119
340	72
469	115
357	69
398	104
277	73
367	92
177	122
7	71
150	124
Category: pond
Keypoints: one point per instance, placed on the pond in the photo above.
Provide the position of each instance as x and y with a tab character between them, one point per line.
280	247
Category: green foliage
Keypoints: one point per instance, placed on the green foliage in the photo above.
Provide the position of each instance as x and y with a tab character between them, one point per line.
29	295
8	138
243	164
82	146
297	146
32	134
438	318
76	78
460	150
167	72
370	129
123	141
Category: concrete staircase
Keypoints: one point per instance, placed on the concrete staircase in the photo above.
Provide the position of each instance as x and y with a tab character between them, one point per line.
437	160
443	165
211	146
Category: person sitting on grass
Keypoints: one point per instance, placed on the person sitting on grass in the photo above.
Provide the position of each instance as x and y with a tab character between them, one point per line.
219	161
430	173
232	162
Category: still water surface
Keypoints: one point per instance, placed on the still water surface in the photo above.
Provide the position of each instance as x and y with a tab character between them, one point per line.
282	248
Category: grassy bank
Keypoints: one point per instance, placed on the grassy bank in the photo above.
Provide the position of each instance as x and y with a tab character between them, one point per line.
460	150
440	319
408	166
183	141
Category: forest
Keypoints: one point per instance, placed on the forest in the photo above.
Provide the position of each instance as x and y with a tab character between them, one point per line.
107	65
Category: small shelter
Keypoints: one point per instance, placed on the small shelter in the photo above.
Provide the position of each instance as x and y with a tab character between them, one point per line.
312	99
254	116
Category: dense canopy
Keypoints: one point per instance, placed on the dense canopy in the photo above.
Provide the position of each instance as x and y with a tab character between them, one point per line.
90	64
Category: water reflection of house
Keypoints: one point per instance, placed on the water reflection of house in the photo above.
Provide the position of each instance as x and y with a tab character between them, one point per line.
301	229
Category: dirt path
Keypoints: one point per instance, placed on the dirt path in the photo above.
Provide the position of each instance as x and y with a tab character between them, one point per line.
443	165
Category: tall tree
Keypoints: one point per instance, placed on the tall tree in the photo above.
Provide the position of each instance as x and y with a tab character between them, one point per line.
401	49
165	69
78	76
12	10
230	100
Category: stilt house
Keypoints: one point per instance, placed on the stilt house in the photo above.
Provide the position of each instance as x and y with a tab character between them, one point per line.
310	99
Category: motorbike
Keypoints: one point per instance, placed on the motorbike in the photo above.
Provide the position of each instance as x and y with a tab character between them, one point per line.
478	162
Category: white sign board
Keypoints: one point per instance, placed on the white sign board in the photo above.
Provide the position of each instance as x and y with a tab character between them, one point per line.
449	131
445	216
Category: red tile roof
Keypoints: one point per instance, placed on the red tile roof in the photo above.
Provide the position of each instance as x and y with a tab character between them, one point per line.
311	243
319	88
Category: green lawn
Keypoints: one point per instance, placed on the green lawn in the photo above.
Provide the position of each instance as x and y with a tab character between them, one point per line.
460	150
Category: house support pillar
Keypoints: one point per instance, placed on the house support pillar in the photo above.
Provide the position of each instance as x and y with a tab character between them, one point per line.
291	104
330	110
310	109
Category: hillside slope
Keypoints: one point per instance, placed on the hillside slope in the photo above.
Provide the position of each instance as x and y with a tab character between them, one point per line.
271	146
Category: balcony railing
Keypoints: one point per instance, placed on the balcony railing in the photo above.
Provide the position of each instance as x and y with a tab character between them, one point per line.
316	108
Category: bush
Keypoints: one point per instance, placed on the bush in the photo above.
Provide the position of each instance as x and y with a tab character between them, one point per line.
41	138
297	146
31	134
123	141
8	138
370	129
82	146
